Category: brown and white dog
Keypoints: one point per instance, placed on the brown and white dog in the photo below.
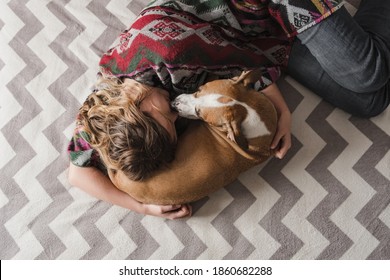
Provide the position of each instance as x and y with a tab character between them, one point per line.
236	127
231	106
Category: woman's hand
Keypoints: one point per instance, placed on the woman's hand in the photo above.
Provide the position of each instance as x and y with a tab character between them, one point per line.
168	211
282	140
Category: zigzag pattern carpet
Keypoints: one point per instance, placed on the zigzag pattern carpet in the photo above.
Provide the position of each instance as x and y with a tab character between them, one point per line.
328	199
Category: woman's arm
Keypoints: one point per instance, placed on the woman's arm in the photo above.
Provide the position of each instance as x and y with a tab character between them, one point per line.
94	182
282	139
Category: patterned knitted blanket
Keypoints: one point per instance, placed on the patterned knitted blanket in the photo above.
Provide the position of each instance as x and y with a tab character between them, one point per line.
175	44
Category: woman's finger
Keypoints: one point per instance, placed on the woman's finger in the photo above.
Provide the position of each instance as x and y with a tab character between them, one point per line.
177	211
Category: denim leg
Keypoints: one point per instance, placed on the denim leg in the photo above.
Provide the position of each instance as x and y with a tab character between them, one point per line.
347	61
354	58
304	68
374	17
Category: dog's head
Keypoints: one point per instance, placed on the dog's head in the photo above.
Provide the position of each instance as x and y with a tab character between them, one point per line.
221	103
214	94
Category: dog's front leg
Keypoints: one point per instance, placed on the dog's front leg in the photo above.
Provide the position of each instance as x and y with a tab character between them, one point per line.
233	130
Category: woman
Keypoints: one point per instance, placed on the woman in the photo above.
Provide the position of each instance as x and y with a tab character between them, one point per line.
175	49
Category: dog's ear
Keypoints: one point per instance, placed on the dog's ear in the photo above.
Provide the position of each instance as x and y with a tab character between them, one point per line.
233	130
248	78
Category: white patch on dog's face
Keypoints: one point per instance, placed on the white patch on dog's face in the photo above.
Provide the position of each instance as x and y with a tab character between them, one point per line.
189	106
186	105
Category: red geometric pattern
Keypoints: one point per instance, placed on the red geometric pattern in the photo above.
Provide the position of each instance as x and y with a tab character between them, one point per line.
212	36
163	30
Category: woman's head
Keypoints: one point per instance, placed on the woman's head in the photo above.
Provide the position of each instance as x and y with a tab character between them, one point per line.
123	121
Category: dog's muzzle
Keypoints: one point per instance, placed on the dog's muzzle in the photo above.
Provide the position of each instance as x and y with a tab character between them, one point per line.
184	104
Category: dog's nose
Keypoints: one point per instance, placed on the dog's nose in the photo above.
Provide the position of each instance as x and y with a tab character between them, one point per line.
174	105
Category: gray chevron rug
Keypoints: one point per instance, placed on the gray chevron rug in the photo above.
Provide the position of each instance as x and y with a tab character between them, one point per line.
328	199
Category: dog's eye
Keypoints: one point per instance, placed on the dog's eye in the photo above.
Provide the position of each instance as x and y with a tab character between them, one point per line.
197	111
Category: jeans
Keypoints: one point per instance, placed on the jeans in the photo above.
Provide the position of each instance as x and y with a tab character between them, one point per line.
346	60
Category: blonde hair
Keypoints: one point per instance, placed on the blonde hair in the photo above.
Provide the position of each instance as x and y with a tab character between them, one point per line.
126	139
